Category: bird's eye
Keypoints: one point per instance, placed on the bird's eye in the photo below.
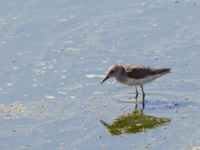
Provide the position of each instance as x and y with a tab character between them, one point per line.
112	72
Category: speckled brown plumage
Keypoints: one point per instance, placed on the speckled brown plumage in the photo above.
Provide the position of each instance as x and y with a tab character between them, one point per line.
139	72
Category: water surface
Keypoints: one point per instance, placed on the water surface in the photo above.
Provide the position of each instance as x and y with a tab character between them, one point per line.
55	53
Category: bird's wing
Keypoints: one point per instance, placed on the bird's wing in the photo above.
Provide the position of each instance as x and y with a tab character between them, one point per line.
138	72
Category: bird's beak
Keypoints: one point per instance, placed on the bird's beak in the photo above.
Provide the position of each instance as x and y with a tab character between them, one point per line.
105	79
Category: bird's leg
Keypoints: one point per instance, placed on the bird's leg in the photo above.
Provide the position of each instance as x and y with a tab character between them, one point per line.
143	94
136	92
136	105
143	105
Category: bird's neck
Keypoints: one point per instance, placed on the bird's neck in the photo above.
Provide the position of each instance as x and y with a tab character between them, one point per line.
121	78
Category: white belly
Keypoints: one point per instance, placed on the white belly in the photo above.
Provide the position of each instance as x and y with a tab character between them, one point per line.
131	81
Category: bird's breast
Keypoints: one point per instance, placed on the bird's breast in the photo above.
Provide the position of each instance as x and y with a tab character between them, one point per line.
141	81
131	81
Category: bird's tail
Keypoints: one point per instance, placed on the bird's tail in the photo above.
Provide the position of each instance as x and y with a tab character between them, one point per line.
167	70
163	70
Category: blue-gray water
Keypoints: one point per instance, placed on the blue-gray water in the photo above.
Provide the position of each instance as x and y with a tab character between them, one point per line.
54	53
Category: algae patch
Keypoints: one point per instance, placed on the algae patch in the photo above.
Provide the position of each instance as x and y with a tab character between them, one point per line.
134	122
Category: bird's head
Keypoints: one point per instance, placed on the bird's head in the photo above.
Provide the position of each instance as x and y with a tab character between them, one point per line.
113	71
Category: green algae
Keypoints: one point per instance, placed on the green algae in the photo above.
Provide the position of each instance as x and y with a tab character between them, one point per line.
134	122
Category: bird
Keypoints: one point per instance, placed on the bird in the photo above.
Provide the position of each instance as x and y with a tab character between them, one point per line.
135	75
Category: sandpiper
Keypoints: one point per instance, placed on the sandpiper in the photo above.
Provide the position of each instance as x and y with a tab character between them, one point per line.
135	75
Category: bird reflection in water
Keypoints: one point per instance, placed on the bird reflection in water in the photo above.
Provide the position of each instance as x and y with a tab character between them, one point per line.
134	122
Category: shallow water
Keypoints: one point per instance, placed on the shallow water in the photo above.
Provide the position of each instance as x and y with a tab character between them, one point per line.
55	53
